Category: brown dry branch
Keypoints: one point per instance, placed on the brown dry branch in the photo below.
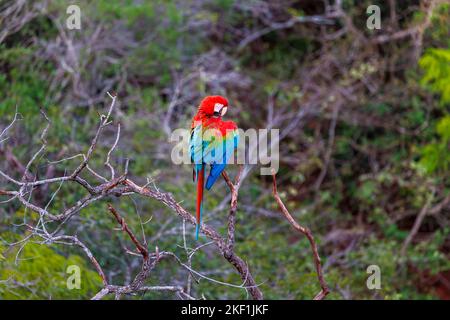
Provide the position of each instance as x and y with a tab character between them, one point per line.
148	263
116	187
141	248
305	231
16	14
417	223
88	253
234	189
50	225
222	244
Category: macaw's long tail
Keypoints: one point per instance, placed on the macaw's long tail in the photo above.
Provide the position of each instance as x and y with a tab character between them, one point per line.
200	187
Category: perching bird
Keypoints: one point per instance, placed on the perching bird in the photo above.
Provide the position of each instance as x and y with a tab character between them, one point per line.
212	142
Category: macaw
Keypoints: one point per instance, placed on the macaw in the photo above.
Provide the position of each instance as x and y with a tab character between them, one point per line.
212	142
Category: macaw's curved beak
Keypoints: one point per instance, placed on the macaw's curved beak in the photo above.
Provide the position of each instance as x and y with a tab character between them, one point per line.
224	110
219	110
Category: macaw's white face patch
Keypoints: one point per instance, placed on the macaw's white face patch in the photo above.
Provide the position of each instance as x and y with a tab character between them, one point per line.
218	107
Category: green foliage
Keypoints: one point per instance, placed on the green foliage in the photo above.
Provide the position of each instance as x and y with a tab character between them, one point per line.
40	273
22	85
436	155
128	10
427	255
436	65
366	192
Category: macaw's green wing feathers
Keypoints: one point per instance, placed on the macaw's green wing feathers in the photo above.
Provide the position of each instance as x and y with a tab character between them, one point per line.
213	144
229	143
196	149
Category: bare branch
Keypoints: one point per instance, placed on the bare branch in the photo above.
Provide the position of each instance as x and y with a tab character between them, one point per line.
111	168
305	231
141	248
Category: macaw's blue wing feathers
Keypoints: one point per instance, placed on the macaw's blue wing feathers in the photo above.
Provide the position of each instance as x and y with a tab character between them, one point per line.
214	147
229	144
214	174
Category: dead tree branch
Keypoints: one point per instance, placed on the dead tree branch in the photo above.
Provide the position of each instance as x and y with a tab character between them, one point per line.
51	224
141	248
305	231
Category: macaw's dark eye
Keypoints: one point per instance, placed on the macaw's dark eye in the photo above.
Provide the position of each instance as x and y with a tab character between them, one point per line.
216	113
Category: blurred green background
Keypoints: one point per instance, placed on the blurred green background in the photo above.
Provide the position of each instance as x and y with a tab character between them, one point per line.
364	117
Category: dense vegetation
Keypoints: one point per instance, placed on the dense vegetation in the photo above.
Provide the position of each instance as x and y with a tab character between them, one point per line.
364	119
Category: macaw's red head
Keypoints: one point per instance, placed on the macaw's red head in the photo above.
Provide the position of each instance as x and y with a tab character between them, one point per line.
213	106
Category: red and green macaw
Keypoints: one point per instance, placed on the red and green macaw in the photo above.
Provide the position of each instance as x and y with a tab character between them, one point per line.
212	142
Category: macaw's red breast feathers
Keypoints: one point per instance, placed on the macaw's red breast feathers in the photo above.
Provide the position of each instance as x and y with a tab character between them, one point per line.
228	125
224	127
